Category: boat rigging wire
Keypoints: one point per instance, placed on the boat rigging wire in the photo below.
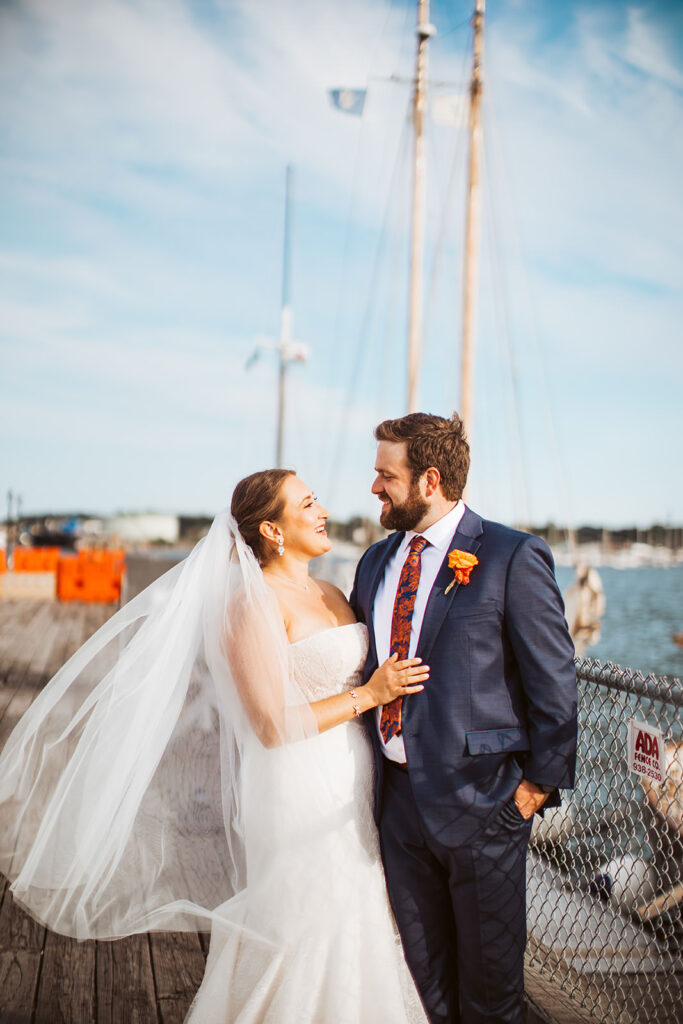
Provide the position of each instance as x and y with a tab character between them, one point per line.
332	374
396	302
445	215
336	461
517	465
446	9
543	394
332	360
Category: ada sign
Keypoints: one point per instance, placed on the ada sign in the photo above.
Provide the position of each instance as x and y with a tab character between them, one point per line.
646	754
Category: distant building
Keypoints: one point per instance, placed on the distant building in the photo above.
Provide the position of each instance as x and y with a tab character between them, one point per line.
144	528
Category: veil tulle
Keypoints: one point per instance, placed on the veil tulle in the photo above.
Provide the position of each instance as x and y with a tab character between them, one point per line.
131	790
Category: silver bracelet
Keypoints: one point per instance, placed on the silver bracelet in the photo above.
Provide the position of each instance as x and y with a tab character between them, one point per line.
356	707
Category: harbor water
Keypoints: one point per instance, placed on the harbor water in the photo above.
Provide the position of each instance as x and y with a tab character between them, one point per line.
644	609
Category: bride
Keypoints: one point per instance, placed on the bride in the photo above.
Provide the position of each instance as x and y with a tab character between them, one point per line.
201	762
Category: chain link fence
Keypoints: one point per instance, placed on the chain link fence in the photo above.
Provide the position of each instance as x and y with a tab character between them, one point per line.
605	880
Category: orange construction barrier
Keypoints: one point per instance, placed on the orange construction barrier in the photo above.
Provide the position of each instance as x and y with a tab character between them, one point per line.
35	559
3	560
113	559
91	576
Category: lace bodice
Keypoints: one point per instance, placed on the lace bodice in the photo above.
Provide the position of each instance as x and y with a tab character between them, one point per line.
331	661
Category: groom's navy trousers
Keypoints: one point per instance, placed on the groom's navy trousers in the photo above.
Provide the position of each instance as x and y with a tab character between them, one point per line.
460	910
499	707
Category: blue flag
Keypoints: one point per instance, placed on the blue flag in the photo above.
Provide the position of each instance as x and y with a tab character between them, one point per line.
349	101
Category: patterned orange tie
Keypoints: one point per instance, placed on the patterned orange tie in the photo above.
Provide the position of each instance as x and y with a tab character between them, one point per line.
390	719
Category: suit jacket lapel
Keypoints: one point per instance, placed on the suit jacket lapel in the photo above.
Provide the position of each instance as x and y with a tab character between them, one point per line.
464	538
389	551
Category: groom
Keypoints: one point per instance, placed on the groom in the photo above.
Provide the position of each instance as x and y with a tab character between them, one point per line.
463	765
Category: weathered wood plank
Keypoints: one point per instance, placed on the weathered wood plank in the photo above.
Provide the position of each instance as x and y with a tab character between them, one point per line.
78	623
45	642
20	965
66	991
31	681
125	982
178	961
15	617
21	945
17	929
19	623
10	618
89	618
18	979
16	660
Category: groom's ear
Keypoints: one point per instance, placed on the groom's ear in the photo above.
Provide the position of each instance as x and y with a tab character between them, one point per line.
432	481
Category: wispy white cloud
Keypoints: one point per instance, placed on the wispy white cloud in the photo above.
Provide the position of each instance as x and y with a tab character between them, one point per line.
58	272
646	49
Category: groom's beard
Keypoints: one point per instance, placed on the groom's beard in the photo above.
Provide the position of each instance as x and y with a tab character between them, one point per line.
407	515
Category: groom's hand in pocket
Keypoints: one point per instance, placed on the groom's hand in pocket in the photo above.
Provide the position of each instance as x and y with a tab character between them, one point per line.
529	798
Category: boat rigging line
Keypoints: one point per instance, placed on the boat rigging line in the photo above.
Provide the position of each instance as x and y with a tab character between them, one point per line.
424	31
445	222
362	347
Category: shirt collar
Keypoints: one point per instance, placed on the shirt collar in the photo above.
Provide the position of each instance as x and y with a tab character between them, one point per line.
440	532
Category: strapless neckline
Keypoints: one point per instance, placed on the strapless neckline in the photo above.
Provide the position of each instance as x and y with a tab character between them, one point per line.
329	629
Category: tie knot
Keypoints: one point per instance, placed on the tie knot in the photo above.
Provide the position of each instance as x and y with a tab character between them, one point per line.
418	544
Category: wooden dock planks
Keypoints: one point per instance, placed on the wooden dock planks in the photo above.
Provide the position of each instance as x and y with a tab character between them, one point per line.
21	946
66	991
47	978
178	962
125	982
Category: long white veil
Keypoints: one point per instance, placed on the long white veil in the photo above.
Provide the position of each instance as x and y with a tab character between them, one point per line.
130	792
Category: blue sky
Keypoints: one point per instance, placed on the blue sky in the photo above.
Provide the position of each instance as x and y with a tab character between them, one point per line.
143	146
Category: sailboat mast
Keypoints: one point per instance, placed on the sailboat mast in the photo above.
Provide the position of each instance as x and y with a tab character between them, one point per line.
285	323
472	227
424	32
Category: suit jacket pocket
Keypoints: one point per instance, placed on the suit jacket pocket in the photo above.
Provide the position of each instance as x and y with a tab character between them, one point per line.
467	613
497	741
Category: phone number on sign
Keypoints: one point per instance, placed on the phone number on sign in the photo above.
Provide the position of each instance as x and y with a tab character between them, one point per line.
651	773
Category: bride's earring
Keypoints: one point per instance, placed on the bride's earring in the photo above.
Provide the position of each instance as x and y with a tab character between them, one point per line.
281	547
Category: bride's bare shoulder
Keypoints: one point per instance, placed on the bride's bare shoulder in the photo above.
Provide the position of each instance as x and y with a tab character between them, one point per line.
331	591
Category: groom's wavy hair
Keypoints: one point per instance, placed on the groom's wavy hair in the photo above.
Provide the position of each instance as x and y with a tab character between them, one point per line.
432	441
257	498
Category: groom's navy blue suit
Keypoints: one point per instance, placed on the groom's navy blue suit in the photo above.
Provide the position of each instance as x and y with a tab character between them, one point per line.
499	707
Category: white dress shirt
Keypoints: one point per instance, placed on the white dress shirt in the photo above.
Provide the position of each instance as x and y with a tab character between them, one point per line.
439	535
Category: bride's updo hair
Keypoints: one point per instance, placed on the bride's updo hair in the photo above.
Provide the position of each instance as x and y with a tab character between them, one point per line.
256	498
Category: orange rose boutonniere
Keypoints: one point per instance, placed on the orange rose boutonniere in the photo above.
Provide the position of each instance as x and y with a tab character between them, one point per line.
462	563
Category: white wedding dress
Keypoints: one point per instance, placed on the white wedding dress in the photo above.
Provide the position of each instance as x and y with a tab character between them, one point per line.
315	942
